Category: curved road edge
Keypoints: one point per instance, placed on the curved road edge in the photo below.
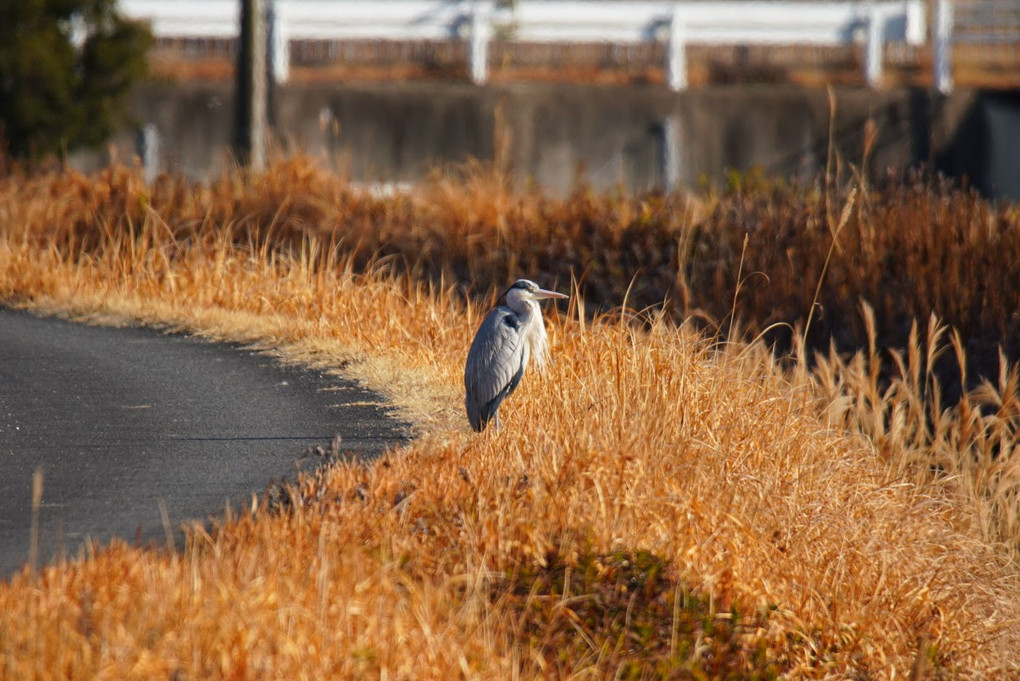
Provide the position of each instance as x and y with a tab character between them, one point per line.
127	422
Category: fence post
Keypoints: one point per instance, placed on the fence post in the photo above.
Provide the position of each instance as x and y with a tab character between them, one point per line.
670	159
942	37
481	33
676	52
252	87
279	43
917	25
148	149
873	50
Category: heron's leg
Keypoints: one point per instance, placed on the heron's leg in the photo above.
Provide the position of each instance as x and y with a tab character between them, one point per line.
496	418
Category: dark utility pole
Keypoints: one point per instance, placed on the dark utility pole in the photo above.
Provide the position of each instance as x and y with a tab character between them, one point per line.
250	132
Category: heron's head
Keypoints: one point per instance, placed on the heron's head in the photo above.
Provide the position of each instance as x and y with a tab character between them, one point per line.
524	290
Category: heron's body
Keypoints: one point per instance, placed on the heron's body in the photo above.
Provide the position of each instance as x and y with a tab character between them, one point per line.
510	336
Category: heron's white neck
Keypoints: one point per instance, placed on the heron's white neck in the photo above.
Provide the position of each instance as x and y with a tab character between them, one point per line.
536	340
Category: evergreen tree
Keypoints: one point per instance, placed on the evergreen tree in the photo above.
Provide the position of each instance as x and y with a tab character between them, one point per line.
66	67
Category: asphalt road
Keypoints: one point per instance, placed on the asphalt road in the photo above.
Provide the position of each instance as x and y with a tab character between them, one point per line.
122	419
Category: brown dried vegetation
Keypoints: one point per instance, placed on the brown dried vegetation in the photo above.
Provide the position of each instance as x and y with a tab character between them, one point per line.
659	504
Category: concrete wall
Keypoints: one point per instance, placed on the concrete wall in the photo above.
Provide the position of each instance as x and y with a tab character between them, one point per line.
611	135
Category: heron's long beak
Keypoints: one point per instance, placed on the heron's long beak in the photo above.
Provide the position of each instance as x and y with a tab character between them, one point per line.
542	294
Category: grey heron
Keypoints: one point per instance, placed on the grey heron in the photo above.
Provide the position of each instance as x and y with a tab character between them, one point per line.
510	335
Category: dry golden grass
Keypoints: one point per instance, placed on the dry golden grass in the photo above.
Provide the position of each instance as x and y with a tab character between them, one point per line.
907	249
656	506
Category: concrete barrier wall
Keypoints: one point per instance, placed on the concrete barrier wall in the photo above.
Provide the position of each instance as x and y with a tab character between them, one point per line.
638	137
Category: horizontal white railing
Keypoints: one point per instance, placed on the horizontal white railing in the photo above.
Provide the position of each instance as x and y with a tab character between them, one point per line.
980	22
677	24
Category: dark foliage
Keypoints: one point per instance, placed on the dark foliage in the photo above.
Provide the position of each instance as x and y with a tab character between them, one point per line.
66	68
624	613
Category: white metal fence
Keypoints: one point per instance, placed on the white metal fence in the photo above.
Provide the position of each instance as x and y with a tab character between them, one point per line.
974	22
676	24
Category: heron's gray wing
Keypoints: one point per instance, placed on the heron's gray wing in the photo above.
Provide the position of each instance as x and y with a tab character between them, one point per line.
494	366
